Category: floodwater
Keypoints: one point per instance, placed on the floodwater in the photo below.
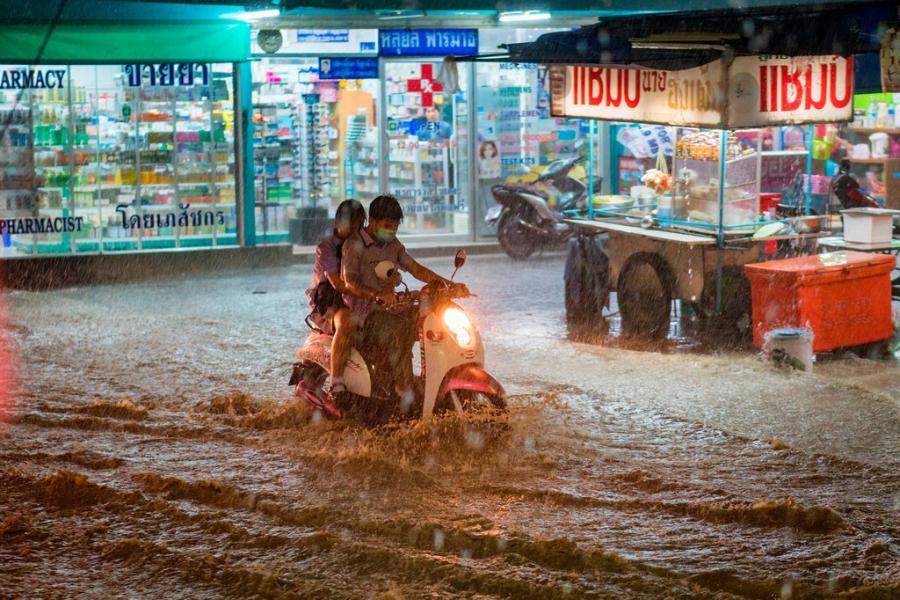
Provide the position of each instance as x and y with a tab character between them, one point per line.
152	448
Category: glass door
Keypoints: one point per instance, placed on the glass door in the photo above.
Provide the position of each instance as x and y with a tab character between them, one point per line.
427	148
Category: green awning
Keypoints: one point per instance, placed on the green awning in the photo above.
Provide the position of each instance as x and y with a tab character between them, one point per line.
226	41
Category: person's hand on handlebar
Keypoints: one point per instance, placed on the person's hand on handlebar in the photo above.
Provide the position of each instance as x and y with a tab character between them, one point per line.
386	299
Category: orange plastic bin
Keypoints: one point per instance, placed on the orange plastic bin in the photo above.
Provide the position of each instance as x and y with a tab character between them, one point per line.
844	297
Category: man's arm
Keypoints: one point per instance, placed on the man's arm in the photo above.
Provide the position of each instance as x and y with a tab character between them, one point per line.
423	274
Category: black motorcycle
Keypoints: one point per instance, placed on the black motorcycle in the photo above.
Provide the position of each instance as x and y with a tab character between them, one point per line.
526	218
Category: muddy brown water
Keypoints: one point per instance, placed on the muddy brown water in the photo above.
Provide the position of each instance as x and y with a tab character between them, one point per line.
152	449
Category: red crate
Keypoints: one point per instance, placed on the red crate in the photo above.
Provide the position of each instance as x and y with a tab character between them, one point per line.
844	297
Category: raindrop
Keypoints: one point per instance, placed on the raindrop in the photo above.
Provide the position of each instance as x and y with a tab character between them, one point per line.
787	590
897	501
603	37
501	544
474	439
748	26
529	443
316	417
466	554
406	400
439	540
567	588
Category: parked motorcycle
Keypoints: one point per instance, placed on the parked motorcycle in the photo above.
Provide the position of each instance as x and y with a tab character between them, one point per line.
452	379
529	216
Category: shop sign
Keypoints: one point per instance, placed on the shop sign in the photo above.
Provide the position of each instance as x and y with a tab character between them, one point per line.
40	225
324	36
337	67
328	42
184	217
32	79
428	42
166	74
890	59
754	91
687	97
768	90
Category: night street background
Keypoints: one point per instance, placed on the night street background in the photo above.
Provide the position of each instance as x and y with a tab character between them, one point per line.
154	448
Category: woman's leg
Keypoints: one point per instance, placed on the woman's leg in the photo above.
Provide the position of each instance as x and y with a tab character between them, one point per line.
340	344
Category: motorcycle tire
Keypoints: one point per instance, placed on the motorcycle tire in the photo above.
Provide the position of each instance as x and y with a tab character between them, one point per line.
517	241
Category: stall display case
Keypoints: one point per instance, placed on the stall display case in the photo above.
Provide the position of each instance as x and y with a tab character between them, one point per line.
716	178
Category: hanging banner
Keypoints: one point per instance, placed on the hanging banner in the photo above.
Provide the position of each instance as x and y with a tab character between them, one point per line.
347	67
687	97
890	59
755	91
770	90
428	42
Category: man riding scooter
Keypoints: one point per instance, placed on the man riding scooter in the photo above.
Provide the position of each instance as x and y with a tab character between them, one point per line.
387	336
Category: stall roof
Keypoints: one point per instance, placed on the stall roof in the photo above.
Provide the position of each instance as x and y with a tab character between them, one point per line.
688	39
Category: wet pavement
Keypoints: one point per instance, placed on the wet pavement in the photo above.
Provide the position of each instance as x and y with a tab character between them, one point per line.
152	448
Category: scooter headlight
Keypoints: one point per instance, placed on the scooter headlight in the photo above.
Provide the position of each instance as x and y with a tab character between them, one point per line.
460	326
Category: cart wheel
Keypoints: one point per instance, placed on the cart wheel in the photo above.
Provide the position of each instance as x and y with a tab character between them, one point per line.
586	285
518	241
644	292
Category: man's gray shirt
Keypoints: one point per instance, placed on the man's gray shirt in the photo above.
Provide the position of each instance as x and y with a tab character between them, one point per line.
360	254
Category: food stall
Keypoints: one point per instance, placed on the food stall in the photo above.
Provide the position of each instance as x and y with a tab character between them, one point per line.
687	233
721	82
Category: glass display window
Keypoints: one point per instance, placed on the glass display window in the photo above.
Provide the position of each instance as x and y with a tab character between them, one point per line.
315	144
428	148
121	158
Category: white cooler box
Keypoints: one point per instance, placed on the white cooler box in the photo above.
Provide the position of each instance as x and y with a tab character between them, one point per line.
868	225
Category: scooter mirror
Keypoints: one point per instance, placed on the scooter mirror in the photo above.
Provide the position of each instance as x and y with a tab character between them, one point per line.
460	259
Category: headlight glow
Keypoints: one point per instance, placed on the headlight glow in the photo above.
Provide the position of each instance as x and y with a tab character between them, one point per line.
460	326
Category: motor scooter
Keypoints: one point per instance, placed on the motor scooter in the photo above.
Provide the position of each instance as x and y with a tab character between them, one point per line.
529	217
452	376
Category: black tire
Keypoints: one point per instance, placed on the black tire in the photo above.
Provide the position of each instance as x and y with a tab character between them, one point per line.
472	403
586	284
644	291
517	241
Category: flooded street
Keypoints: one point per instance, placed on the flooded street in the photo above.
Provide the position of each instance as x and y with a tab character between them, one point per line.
152	448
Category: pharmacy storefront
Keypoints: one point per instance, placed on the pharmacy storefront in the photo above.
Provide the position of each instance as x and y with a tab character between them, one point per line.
125	138
356	113
121	139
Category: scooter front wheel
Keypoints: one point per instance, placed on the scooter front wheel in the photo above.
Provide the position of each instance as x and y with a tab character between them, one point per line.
465	403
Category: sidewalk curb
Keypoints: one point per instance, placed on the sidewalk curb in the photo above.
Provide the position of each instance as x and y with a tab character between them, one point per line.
50	272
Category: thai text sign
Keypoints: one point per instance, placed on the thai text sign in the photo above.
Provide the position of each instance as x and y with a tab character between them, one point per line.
428	42
348	67
753	91
166	74
766	90
687	97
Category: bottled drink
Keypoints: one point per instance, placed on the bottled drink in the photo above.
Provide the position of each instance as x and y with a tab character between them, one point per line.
871	114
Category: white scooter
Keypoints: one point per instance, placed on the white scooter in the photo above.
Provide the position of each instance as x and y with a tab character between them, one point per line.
452	374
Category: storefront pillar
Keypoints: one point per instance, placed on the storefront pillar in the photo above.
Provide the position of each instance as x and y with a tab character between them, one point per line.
245	196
